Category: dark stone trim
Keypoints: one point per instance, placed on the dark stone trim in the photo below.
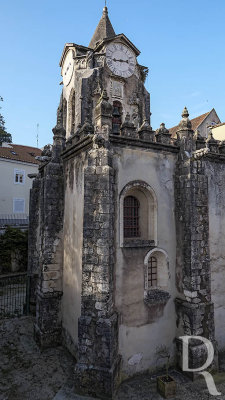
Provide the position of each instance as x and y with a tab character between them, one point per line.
214	157
138	243
132	142
80	146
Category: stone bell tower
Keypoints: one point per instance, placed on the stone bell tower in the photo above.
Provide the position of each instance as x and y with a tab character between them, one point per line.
92	275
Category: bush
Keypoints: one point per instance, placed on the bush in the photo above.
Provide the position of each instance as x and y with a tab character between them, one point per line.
13	248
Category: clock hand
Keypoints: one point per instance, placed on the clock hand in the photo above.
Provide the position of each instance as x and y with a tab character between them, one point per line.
126	61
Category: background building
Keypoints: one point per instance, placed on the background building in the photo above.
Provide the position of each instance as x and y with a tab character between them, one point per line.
202	124
16	163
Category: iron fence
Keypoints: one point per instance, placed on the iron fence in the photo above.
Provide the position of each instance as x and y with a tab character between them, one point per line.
14	289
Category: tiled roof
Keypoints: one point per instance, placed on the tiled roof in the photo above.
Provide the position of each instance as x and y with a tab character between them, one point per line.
195	122
21	153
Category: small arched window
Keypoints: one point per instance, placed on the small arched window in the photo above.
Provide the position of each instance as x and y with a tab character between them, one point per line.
152	272
116	117
131	217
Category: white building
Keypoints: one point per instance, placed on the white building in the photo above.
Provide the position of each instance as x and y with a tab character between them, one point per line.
16	162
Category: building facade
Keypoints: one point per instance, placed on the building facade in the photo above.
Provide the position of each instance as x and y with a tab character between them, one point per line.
126	238
16	163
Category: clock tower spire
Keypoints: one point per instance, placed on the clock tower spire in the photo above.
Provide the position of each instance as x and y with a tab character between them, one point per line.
104	29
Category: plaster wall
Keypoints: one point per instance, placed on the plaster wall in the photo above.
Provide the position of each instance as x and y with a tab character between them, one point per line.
143	329
216	179
10	190
209	120
73	242
219	132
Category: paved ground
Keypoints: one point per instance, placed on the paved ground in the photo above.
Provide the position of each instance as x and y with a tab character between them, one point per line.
26	373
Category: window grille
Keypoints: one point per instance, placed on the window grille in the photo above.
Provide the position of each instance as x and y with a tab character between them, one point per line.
131	217
152	272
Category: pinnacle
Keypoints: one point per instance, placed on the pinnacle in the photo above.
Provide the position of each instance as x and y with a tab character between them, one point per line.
185	113
104	29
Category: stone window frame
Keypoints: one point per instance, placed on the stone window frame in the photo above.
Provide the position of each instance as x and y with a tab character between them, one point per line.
19	176
160	293
150	238
71	112
65	114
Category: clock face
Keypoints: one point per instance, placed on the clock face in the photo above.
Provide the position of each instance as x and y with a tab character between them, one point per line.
120	60
67	70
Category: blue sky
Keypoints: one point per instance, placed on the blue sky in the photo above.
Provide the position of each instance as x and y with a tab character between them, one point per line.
182	42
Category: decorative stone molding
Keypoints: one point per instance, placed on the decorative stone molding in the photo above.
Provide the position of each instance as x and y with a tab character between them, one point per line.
146	132
163	135
128	129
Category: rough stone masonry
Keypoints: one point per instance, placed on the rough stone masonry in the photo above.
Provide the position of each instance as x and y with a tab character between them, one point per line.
126	238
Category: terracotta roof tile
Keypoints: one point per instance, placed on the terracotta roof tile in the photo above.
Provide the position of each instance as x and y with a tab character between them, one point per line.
195	122
21	153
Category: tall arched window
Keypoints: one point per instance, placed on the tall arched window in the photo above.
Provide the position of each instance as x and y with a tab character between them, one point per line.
152	272
131	217
64	114
116	117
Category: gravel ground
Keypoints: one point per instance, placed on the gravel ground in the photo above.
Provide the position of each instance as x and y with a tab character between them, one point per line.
26	373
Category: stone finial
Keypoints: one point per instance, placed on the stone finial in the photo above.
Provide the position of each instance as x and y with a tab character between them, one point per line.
222	147
185	113
200	140
87	128
103	112
212	143
163	135
146	132
128	129
185	123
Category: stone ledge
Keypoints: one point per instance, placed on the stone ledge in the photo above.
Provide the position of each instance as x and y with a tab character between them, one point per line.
138	243
156	296
133	142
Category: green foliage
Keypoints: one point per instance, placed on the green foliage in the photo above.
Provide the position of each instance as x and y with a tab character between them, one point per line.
13	242
4	135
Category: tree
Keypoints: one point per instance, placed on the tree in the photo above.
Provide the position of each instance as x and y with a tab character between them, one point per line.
4	135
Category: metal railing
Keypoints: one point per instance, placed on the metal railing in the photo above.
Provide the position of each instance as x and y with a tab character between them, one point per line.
14	295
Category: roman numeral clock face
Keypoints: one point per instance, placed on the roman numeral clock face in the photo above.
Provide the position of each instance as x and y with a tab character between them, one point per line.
120	60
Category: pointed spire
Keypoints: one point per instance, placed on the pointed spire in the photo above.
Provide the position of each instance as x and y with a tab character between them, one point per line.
104	29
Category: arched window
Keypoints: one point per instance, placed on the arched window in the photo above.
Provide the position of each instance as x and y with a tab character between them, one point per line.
152	272
64	114
116	117
144	209
71	112
131	217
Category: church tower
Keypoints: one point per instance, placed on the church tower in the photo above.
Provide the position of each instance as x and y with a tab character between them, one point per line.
109	64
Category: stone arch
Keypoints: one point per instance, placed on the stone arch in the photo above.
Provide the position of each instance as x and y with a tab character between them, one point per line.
148	210
163	272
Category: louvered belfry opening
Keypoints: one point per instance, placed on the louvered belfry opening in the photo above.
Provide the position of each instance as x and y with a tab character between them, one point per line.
152	272
131	217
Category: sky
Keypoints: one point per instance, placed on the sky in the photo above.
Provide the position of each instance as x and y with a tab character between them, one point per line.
182	42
